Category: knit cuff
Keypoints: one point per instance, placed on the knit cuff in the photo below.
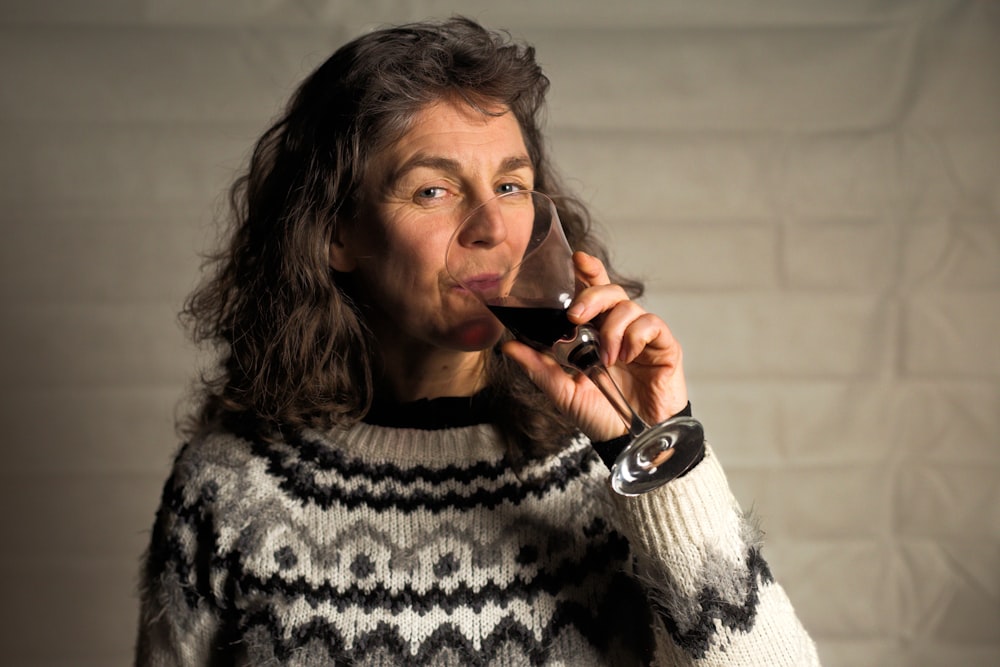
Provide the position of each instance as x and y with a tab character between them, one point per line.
686	513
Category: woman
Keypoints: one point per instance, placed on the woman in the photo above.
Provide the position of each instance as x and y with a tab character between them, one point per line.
376	475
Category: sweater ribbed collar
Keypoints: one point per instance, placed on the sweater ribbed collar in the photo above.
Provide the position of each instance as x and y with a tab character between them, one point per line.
431	414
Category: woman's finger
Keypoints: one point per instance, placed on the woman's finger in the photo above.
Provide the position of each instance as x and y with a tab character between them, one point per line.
649	338
615	322
591	302
590	270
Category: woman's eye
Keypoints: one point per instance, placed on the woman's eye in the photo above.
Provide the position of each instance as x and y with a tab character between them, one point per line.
510	187
431	193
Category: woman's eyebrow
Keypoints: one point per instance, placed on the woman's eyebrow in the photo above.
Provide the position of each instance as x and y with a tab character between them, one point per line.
516	162
452	166
436	162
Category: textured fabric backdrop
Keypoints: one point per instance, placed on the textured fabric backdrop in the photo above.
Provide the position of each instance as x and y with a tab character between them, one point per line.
811	190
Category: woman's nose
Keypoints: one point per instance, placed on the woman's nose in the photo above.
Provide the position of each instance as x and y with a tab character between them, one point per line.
485	226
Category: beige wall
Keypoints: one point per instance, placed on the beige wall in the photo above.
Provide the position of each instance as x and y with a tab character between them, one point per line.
811	189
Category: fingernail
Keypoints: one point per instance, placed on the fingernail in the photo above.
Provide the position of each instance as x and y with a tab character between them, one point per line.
575	311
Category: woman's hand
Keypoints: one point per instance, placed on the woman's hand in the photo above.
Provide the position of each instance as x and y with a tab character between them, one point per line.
637	347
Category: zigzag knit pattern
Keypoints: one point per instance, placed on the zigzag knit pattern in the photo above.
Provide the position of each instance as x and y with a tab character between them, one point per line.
389	546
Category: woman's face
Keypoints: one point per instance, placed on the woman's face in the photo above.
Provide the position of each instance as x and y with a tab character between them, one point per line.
452	159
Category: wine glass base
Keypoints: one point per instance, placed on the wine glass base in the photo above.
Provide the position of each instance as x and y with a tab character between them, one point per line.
658	455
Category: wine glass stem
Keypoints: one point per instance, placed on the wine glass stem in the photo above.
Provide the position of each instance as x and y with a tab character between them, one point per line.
599	375
582	352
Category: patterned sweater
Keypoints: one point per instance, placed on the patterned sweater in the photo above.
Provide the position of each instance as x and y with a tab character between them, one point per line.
382	545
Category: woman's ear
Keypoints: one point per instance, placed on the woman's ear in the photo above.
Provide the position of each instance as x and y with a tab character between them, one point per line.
341	258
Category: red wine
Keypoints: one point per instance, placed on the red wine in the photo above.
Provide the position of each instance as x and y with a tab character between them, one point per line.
537	326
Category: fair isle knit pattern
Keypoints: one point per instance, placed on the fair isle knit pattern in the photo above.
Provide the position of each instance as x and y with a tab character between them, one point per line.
396	546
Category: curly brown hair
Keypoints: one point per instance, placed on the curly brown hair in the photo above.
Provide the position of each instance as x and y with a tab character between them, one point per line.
293	346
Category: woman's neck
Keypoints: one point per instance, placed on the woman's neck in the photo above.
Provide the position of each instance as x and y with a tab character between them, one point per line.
409	376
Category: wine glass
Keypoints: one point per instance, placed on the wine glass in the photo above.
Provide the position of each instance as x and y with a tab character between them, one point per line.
511	252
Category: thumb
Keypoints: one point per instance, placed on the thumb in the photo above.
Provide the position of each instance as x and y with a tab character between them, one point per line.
573	394
541	369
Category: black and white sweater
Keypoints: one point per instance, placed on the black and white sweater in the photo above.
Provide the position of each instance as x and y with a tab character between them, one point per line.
382	545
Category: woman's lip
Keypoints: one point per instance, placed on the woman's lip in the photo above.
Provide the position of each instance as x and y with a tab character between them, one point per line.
482	283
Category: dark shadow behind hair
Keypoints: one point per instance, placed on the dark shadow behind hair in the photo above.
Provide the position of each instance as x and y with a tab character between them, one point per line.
292	346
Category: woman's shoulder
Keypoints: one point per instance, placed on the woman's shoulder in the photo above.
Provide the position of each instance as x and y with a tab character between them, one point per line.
208	465
214	452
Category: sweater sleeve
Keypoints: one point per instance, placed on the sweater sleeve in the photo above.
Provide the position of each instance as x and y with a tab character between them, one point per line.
700	560
179	617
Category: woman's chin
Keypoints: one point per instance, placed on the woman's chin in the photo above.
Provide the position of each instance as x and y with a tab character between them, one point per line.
476	335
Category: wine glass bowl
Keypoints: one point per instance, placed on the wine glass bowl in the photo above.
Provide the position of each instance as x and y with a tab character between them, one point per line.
512	254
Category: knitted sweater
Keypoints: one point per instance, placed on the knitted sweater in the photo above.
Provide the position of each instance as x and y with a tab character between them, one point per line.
378	545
